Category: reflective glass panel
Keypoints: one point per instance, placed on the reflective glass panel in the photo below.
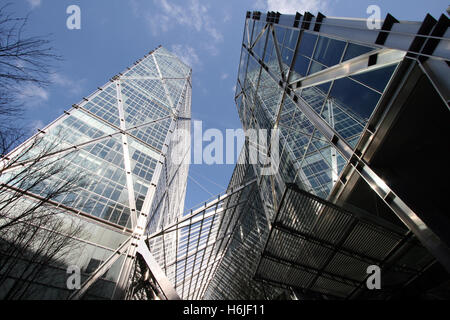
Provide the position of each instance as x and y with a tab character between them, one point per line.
300	67
354	97
307	42
329	51
376	79
354	50
315	67
291	39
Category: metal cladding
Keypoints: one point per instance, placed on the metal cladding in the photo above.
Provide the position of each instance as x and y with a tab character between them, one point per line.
331	87
346	194
315	245
122	137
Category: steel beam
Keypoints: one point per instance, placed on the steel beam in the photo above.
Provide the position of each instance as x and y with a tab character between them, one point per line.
429	239
100	270
158	274
362	63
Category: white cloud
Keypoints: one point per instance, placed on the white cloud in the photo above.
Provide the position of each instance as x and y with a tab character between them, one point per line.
211	48
187	54
292	6
36	124
226	17
73	87
32	95
135	8
224	76
34	3
61	80
260	5
193	15
216	35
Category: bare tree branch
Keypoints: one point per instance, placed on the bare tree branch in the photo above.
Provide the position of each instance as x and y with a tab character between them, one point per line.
24	60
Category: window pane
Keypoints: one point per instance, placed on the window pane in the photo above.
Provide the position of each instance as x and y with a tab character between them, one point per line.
300	67
291	39
259	46
287	57
307	43
257	29
269	49
376	79
354	97
243	66
354	50
329	51
279	32
314	97
315	67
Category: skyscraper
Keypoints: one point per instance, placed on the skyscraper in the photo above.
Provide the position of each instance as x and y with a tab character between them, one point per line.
359	111
125	143
349	102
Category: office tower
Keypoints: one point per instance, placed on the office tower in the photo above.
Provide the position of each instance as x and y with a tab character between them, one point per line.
125	145
359	112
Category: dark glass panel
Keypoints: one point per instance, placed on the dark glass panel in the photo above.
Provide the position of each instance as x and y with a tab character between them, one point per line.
279	32
247	26
314	97
270	49
376	79
259	46
291	39
354	50
286	57
252	71
354	97
301	65
329	51
315	67
324	87
307	43
243	65
256	30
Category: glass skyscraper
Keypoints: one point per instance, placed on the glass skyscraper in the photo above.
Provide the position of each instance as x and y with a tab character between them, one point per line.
358	111
126	142
348	102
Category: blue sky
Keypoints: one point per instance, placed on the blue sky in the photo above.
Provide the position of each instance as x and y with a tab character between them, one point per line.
206	34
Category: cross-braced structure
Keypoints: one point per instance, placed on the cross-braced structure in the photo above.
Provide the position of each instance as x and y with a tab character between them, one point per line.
348	193
130	139
344	99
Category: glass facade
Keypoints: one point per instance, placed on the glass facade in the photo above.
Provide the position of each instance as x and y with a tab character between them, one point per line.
345	103
309	230
122	140
321	83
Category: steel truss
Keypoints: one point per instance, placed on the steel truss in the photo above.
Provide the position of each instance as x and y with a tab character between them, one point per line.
421	45
178	112
201	240
323	248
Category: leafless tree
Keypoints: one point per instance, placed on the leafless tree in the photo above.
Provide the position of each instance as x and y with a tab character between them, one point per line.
36	179
31	252
24	61
35	182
